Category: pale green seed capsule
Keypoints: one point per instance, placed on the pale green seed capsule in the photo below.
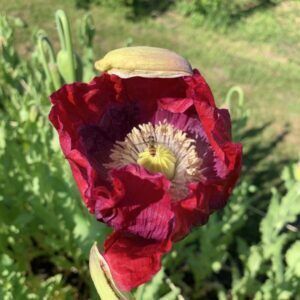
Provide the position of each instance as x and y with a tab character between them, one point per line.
144	61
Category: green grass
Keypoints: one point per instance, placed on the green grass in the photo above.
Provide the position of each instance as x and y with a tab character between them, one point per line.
260	52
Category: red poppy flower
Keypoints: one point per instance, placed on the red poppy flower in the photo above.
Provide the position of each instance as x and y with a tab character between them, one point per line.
152	157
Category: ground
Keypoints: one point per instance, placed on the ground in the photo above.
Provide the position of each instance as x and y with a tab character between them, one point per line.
259	52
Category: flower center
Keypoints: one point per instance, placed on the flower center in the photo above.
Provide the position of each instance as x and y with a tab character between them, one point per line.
160	148
158	159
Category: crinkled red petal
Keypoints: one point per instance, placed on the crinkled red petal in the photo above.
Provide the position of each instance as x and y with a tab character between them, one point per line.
139	203
214	190
75	105
133	260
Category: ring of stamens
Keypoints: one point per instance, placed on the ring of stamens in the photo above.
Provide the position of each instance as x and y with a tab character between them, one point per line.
175	154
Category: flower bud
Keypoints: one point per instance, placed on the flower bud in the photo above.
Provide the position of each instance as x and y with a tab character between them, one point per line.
144	61
33	113
102	277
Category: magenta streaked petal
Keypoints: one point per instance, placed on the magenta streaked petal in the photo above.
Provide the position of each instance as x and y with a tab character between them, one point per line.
139	203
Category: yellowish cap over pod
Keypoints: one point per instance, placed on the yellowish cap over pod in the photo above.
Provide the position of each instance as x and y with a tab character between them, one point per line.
144	61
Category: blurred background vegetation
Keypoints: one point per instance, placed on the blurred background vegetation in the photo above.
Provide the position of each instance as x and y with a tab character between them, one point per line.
248	51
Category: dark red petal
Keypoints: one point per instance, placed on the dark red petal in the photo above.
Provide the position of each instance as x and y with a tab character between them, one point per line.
199	89
149	92
133	260
139	203
216	124
227	155
208	196
192	211
221	189
75	106
80	103
221	161
177	105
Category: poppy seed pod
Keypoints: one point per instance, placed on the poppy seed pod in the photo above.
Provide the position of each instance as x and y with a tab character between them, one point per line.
144	61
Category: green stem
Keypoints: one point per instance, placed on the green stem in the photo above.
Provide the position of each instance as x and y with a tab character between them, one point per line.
238	90
48	60
64	32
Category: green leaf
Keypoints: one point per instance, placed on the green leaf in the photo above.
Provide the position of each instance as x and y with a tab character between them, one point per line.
293	258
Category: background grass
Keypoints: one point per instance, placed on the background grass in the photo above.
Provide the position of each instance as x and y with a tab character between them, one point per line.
259	52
